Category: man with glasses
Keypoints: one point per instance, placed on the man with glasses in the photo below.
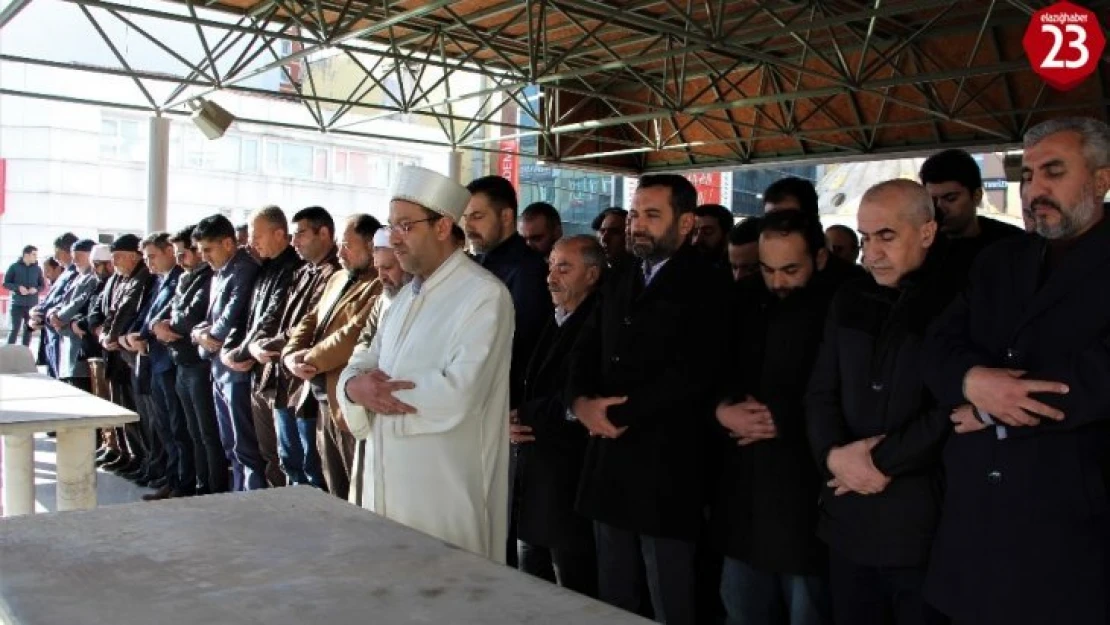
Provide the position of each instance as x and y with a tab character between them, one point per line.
432	391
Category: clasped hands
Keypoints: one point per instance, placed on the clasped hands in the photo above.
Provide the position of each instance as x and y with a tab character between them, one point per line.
748	421
854	470
375	390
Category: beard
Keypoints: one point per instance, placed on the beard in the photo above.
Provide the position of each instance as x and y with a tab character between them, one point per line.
654	249
1073	221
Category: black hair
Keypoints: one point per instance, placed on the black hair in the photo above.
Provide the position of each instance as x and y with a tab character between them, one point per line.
160	240
542	209
786	222
214	228
184	236
684	197
65	241
600	219
317	217
792	187
851	233
952	166
499	190
30	249
718	212
745	232
365	225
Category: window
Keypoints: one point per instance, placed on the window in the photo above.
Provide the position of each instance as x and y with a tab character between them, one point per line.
121	139
296	160
221	154
365	169
249	158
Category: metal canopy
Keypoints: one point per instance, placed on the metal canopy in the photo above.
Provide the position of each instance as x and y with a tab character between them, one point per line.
644	85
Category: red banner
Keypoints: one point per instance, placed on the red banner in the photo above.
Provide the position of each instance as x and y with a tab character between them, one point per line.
708	185
508	164
3	185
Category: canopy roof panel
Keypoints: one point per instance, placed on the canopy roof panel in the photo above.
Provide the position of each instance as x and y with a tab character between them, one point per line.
644	85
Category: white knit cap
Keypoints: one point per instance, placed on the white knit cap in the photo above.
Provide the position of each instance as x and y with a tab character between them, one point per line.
432	190
100	254
381	239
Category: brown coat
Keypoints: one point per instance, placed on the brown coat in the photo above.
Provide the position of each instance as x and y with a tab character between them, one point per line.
330	345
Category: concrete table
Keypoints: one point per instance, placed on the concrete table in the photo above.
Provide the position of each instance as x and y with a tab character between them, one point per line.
32	402
286	556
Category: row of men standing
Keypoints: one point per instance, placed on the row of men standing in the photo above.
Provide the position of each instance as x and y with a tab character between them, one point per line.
839	438
227	359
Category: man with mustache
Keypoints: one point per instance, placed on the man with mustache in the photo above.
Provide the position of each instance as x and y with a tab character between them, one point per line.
764	516
873	428
644	391
1025	533
431	394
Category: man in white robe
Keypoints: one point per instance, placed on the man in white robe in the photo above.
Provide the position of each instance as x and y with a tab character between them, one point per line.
431	394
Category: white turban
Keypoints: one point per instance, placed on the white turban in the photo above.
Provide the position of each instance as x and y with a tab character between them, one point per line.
432	190
381	239
100	254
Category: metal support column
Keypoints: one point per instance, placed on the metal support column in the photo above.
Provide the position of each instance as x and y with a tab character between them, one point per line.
454	166
157	174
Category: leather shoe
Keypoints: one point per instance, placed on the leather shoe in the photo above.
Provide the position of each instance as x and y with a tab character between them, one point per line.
157	482
162	493
107	458
117	464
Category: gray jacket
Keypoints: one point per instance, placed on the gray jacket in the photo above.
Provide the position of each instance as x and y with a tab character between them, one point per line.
74	304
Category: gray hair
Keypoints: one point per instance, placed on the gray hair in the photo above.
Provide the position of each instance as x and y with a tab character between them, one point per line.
918	204
1094	133
590	248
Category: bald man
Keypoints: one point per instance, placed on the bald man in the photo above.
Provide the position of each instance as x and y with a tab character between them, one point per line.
874	430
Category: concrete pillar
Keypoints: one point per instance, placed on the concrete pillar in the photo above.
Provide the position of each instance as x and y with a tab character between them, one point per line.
76	469
19	474
454	166
157	174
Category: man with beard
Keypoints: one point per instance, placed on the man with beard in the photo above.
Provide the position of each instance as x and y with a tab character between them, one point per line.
314	242
82	328
610	226
874	429
799	194
643	390
432	392
393	277
743	248
193	381
764	518
72	363
48	349
1028	348
541	227
555	542
489	222
711	228
321	344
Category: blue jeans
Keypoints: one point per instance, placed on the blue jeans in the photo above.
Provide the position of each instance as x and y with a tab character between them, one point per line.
173	429
233	411
755	597
297	448
624	557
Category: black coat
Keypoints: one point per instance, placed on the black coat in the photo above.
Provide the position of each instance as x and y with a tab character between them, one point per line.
765	510
268	299
524	273
187	310
658	345
867	382
548	469
1025	534
963	252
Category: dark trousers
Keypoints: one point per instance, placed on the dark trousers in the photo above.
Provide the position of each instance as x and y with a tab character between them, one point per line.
173	428
130	436
20	315
233	412
573	567
149	413
194	389
878	595
263	415
337	453
297	448
755	597
668	563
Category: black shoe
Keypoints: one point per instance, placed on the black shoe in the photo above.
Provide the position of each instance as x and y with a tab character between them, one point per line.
107	458
118	463
134	474
158	482
123	470
162	493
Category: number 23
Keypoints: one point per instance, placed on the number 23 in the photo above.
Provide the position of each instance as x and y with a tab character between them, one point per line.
1079	43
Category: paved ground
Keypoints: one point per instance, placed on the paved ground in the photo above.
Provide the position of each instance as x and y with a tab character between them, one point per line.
110	489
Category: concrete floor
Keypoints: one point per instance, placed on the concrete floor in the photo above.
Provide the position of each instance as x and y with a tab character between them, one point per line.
110	488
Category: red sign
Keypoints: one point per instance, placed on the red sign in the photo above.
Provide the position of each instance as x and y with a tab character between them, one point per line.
1064	43
708	185
507	162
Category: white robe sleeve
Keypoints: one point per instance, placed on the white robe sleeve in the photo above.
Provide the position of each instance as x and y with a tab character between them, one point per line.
359	419
481	350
